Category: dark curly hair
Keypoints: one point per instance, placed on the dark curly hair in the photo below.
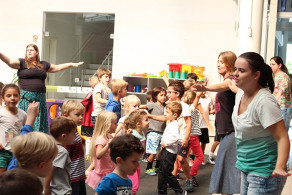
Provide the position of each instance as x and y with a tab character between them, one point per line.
124	146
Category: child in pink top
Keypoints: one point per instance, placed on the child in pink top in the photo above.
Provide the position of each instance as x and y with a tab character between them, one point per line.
99	152
137	123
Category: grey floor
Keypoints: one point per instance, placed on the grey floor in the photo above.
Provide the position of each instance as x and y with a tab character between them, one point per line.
148	185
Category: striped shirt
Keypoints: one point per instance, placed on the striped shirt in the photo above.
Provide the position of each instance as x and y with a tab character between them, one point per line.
195	130
76	154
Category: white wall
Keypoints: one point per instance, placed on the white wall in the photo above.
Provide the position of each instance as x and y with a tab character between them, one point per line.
148	33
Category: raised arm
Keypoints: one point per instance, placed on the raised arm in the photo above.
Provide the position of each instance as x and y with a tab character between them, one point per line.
56	68
214	88
32	113
15	64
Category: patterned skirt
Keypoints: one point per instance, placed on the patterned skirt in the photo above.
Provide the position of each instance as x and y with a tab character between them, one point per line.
41	121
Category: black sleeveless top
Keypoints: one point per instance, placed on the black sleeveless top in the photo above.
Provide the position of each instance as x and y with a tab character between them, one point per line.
224	104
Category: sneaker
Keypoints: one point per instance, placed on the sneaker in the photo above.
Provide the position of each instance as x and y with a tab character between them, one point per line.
191	162
150	172
204	163
195	182
179	178
211	160
189	186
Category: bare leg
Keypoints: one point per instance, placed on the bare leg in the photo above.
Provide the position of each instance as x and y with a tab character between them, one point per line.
185	166
214	146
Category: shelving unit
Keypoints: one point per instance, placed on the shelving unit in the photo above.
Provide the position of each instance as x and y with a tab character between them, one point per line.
150	82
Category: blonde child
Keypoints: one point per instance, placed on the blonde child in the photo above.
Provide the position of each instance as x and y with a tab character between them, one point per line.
100	93
74	110
99	152
58	181
132	103
125	152
169	143
138	123
191	99
119	90
35	152
11	121
156	129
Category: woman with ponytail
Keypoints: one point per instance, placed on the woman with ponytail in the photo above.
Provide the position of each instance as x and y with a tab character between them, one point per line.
282	90
261	137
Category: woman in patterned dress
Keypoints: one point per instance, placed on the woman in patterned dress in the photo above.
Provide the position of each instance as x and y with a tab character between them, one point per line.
32	74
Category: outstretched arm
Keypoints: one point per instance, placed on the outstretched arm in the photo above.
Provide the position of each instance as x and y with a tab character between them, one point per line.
215	88
56	68
15	64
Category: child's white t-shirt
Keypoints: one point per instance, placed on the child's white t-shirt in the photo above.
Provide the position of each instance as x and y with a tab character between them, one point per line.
186	111
206	104
10	126
98	107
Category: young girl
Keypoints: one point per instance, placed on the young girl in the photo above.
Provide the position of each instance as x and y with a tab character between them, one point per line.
191	99
156	128
132	103
11	121
99	152
138	123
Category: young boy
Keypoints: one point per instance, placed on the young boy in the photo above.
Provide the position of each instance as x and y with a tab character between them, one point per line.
20	181
169	142
58	181
175	92
125	152
35	152
100	93
74	110
119	90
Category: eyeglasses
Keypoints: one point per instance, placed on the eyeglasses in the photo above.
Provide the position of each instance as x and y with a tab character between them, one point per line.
168	91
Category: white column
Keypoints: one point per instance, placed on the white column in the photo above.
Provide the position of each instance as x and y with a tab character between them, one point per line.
272	29
250	25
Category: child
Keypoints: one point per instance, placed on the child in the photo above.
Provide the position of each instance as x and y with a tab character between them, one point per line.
149	97
1	86
175	92
207	105
58	181
137	122
99	151
87	128
156	129
189	98
74	110
35	152
169	142
125	152
20	181
100	93
119	90
132	103
11	121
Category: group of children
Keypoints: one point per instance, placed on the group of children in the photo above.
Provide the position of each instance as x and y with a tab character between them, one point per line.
166	127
